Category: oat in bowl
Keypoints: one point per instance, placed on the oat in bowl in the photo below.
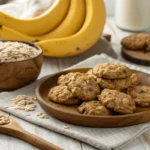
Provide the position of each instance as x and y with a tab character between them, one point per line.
20	64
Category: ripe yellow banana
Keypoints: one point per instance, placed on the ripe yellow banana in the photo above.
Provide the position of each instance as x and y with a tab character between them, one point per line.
38	25
10	34
84	38
71	24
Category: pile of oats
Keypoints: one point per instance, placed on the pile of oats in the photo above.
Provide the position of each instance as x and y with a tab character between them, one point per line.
16	51
42	115
4	118
27	103
24	102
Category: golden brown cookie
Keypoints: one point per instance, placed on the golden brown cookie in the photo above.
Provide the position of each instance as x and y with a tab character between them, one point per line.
61	94
111	71
136	41
93	108
65	79
117	101
140	94
91	75
83	87
118	84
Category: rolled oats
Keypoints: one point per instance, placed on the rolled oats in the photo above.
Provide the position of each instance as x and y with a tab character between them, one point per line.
24	102
66	127
4	118
42	115
16	51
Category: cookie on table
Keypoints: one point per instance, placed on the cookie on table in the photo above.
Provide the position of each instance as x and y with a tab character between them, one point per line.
136	41
83	87
118	84
61	94
140	94
65	79
111	71
117	101
93	108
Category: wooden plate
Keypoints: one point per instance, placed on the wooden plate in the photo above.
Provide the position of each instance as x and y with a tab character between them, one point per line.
70	114
140	57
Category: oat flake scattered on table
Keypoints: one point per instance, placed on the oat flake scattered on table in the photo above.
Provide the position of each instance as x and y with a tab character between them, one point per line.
66	127
42	115
4	118
24	102
16	51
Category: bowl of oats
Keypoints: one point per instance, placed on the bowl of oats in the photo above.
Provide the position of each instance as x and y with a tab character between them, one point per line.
20	64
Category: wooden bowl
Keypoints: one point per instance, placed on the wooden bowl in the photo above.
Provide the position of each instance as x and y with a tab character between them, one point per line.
71	115
17	74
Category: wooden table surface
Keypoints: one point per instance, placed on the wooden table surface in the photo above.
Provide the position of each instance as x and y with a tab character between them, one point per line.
54	65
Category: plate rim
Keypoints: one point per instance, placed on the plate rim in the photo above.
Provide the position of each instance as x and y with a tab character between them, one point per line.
41	100
135	59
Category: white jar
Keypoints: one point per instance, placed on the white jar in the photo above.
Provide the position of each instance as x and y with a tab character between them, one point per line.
133	15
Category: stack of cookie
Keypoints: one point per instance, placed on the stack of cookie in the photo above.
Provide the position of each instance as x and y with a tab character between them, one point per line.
139	41
113	76
106	89
73	86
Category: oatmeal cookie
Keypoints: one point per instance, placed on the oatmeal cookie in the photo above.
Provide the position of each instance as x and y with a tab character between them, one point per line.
117	101
93	108
136	41
111	71
91	75
61	94
118	84
84	88
65	79
140	94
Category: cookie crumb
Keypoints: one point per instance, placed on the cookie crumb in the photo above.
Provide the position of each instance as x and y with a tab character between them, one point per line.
6	107
24	102
66	127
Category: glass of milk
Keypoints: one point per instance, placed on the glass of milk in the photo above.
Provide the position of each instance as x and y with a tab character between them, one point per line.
133	15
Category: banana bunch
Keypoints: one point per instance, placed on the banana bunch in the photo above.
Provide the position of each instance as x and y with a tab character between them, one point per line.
68	29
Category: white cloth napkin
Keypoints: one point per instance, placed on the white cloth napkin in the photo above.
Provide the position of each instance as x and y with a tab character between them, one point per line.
26	9
101	138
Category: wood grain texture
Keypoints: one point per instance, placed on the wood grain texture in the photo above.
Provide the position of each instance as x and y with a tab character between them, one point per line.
17	74
11	143
138	57
15	130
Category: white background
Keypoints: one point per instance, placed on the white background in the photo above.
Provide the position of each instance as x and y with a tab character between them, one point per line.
110	6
